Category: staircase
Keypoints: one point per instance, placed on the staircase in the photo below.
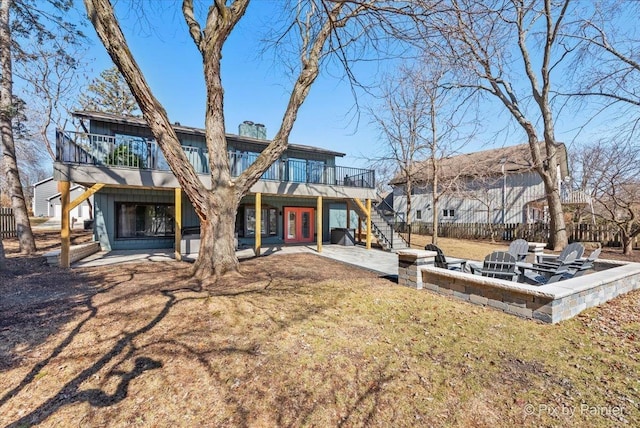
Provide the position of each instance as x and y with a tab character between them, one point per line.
382	229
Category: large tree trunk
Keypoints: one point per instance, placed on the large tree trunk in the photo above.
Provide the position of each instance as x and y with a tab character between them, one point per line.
25	235
627	245
217	253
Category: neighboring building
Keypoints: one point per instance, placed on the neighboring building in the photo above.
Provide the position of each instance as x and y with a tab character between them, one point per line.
135	204
46	201
490	186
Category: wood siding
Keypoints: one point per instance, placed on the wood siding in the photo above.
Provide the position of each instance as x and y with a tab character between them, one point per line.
105	218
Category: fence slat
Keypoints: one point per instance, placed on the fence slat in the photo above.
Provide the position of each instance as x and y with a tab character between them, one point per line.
532	232
7	223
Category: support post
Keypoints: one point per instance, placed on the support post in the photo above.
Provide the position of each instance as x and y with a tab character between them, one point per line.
360	229
368	243
319	223
348	216
258	228
65	232
177	196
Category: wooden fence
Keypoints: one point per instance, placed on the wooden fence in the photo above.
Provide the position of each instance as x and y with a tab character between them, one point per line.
7	223
535	232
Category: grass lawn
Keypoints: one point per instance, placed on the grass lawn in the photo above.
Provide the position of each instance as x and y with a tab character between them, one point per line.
299	340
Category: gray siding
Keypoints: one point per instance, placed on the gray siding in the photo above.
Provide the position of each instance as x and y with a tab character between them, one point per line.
40	194
521	189
105	218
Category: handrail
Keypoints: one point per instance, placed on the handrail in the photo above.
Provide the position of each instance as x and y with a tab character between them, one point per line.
395	219
143	153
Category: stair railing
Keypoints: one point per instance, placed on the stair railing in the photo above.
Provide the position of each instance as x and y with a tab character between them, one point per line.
396	217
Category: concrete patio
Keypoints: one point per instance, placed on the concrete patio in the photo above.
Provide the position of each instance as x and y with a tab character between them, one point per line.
382	262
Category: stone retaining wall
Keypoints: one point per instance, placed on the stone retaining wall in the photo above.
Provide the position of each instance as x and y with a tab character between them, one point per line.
548	303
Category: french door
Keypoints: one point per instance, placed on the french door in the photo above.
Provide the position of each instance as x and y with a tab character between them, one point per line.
298	224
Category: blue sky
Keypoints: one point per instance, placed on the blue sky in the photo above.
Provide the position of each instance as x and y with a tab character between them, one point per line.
256	86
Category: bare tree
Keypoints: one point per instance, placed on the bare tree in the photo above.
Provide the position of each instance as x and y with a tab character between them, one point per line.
317	24
610	173
423	118
509	49
7	113
403	121
52	77
606	71
20	19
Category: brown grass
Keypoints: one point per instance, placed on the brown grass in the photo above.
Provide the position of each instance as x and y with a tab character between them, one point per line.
298	341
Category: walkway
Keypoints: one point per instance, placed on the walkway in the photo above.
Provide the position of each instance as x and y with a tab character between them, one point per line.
382	262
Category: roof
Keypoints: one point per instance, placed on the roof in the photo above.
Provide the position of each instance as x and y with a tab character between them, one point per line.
189	130
516	160
43	181
57	195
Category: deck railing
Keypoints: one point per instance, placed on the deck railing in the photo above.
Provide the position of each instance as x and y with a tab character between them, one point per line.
142	153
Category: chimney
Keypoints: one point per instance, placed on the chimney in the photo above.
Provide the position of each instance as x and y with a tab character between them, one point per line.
253	130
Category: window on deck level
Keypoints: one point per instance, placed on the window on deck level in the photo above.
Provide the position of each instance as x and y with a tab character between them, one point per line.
268	222
144	220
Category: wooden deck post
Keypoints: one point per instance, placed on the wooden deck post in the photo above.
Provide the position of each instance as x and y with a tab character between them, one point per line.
368	243
177	195
319	223
359	229
258	228
65	232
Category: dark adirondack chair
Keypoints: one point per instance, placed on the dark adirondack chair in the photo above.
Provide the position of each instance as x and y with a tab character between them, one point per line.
499	265
540	275
519	249
580	266
444	262
552	260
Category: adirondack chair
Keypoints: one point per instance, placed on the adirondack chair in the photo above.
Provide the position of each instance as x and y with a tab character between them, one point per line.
499	264
551	260
580	266
519	249
444	262
540	275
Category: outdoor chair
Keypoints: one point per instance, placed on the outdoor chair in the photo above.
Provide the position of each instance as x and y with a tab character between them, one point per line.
441	261
552	260
580	266
519	249
499	265
540	275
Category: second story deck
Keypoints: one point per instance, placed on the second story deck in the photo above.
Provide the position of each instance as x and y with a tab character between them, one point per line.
88	158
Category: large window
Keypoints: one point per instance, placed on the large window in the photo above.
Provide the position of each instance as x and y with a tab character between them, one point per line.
268	223
144	220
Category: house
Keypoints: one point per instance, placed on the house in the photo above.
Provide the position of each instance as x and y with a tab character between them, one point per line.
47	201
489	186
138	203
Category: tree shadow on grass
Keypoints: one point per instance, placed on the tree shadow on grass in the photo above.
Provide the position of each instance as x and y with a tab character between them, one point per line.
129	349
71	393
45	313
